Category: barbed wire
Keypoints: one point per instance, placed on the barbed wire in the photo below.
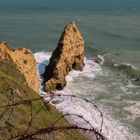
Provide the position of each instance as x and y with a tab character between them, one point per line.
8	109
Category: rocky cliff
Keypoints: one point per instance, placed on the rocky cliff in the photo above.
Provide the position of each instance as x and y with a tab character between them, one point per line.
68	55
25	62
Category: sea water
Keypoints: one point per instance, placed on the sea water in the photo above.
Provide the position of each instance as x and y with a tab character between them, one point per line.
111	29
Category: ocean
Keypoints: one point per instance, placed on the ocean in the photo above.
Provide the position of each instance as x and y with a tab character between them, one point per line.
111	29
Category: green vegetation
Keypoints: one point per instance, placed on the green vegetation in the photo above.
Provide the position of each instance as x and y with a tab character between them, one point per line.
15	118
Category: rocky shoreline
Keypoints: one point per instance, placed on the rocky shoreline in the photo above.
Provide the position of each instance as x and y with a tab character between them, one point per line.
68	55
20	80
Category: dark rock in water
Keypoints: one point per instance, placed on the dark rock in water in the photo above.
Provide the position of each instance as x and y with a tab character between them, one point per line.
136	79
68	55
55	101
98	60
117	54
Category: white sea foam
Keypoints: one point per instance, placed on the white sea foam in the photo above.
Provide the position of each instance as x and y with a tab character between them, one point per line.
112	129
42	56
134	109
42	59
90	70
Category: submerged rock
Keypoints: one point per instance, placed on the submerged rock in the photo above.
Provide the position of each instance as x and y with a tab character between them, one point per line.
24	61
68	55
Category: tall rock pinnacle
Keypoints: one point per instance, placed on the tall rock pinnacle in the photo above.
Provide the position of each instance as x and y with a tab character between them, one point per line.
68	55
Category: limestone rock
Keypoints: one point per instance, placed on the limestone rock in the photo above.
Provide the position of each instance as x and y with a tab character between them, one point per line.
68	55
25	62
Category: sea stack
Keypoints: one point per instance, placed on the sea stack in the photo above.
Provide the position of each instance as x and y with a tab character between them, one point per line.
68	55
24	61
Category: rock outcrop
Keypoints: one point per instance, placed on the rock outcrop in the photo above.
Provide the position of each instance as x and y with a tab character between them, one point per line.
25	62
68	55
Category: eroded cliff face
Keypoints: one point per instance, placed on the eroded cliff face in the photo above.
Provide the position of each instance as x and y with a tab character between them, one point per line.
25	62
68	55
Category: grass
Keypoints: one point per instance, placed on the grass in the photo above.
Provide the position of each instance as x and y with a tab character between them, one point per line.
14	120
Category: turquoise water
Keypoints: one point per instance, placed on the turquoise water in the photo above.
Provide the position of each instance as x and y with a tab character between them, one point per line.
110	28
110	25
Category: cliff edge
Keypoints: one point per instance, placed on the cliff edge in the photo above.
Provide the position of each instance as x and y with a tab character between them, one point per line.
25	62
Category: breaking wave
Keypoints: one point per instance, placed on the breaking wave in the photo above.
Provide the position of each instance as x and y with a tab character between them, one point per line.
130	69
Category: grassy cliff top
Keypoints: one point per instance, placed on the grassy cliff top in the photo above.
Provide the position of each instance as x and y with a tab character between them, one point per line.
22	111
